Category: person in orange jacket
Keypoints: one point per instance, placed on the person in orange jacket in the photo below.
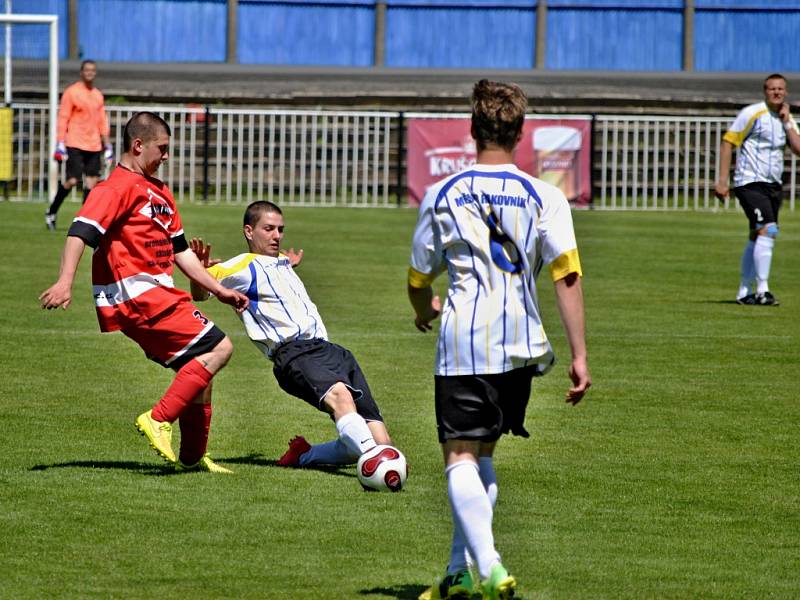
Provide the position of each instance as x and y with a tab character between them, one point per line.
83	138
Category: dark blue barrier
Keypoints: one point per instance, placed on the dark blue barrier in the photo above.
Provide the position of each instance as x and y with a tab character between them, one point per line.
747	35
465	33
153	30
642	35
639	35
306	32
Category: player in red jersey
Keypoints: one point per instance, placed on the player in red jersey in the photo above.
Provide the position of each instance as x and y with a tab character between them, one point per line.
132	224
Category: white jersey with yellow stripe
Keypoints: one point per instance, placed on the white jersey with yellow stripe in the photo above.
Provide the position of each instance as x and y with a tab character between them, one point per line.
759	135
492	227
280	309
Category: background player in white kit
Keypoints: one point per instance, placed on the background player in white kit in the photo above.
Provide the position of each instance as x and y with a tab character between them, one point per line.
492	228
285	325
761	132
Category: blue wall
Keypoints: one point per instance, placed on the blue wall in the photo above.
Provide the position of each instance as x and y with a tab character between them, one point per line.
747	35
466	34
642	35
153	30
306	32
638	35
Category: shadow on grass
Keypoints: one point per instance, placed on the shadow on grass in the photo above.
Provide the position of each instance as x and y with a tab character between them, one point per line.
155	469
145	468
260	460
404	591
409	592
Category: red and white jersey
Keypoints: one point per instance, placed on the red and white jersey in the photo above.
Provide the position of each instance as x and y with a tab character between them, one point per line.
133	224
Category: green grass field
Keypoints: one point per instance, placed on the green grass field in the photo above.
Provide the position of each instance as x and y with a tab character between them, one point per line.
677	477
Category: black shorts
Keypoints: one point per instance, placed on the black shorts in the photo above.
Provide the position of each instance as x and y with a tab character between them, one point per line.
482	407
82	162
308	369
760	202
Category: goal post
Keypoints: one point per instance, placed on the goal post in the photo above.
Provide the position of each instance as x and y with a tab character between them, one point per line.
6	20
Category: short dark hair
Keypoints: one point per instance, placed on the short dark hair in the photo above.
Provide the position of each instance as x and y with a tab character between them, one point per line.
145	126
254	211
88	61
498	113
773	76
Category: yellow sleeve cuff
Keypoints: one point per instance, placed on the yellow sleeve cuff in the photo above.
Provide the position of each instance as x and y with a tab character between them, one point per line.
734	137
567	263
419	280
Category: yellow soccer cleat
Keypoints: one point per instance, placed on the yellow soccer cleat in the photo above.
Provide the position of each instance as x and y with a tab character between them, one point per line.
499	585
204	464
158	433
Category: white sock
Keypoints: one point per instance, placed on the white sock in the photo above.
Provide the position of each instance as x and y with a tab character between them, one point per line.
354	433
328	453
748	270
472	511
762	256
459	554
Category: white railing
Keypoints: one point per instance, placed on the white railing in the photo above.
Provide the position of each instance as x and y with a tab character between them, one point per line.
293	157
326	158
662	163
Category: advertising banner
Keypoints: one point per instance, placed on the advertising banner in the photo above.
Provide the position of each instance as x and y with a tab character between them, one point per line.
556	150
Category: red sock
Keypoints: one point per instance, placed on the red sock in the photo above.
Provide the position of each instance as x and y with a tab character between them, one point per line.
188	384
195	423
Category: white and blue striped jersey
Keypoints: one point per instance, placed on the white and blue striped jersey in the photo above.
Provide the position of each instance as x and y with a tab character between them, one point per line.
759	135
280	309
492	227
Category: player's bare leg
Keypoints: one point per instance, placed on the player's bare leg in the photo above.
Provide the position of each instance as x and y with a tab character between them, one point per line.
88	186
353	429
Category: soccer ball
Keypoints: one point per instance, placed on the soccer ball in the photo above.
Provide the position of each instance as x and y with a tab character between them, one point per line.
382	468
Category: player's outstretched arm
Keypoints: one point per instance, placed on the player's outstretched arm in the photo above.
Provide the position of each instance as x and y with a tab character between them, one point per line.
191	266
426	306
59	295
569	296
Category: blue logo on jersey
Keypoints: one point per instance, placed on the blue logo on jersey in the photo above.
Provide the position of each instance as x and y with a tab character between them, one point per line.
503	250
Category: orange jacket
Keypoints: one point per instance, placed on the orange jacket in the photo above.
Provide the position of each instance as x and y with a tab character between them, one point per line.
82	118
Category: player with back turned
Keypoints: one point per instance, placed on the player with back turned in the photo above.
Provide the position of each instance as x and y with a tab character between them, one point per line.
491	227
132	224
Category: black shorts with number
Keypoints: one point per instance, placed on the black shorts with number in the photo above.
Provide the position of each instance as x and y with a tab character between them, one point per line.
308	369
760	202
82	162
482	407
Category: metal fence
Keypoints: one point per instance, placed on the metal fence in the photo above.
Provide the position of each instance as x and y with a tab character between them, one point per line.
293	157
325	158
666	163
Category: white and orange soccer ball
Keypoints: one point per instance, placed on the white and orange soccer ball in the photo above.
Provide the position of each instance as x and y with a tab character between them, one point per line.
382	468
